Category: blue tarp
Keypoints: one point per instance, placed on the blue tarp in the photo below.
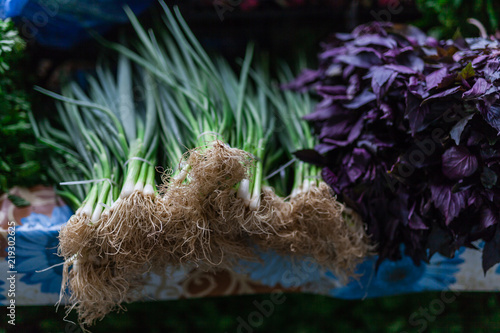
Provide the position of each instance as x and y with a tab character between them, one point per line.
64	23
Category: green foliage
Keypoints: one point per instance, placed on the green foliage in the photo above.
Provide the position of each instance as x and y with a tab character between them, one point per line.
10	43
453	14
19	157
466	73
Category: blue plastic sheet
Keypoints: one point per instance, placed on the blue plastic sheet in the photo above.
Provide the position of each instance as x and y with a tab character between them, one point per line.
63	24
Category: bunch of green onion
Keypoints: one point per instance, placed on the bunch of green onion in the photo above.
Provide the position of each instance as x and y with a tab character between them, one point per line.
223	176
106	154
322	227
213	128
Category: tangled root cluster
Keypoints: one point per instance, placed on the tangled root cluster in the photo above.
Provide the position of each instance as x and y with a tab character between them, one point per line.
105	262
199	219
93	282
318	227
199	224
130	232
75	235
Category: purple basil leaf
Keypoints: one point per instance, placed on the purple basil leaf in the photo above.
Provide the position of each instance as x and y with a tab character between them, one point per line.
488	217
331	90
325	113
383	90
411	60
447	81
324	148
310	156
343	36
491	251
479	60
375	40
362	59
435	78
303	81
415	35
379	74
459	163
491	70
334	70
332	53
340	142
355	131
329	177
449	204
353	87
356	166
442	94
348	71
400	69
479	88
456	131
492	117
364	98
416	88
417	223
386	110
474	138
415	113
336	129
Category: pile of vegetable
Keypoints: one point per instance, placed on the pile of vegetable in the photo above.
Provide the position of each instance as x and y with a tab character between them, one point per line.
213	129
409	137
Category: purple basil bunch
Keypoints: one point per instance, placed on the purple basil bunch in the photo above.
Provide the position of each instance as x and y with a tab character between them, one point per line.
409	137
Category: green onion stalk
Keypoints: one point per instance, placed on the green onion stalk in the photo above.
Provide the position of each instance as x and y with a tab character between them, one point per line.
294	134
130	227
222	129
199	116
196	230
83	165
207	90
112	241
82	160
321	226
265	213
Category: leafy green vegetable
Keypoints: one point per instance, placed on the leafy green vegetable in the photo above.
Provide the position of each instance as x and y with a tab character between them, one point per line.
10	43
452	15
19	156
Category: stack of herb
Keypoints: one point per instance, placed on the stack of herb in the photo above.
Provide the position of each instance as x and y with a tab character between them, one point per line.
409	137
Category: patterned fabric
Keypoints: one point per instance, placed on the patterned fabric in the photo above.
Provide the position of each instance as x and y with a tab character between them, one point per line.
36	250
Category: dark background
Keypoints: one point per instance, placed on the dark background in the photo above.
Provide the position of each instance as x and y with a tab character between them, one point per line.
299	313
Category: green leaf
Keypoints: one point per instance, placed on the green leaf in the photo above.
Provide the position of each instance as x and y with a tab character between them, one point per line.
466	73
